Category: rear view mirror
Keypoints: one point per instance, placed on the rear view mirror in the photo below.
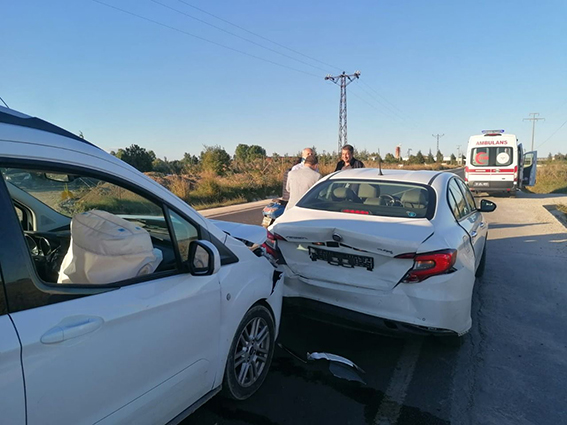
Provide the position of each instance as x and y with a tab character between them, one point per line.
487	206
62	178
204	258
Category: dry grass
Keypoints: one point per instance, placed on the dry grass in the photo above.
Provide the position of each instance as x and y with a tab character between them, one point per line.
551	178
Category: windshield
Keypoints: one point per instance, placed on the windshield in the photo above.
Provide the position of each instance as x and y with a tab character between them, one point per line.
372	197
491	156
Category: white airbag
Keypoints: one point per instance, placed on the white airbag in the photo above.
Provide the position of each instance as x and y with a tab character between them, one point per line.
105	249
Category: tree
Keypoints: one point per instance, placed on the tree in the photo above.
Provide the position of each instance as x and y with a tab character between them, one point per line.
245	153
453	159
429	159
241	153
215	159
439	157
137	157
390	159
419	158
256	152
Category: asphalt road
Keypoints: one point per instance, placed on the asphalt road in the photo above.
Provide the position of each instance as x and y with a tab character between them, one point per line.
511	369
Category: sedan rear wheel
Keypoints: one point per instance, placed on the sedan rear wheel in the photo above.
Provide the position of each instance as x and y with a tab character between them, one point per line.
250	354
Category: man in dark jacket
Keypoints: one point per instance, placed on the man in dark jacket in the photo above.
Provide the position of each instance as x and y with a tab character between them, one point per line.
348	160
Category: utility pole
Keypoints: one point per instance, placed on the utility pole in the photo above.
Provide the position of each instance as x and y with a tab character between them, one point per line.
533	119
341	80
438	136
459	159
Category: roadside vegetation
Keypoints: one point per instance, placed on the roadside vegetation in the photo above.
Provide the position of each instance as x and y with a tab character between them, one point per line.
551	176
215	178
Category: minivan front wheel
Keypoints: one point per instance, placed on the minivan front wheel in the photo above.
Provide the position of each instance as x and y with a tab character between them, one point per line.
250	354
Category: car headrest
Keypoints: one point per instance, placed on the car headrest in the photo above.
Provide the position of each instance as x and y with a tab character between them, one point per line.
366	190
341	193
414	196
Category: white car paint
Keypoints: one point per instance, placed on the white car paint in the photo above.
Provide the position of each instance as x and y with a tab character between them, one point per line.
142	353
439	304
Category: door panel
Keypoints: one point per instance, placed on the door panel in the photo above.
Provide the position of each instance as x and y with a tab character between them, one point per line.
12	403
146	334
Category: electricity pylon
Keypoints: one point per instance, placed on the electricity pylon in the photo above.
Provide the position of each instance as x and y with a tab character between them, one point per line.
343	80
533	119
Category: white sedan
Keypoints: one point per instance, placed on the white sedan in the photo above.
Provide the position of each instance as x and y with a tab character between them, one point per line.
119	303
397	251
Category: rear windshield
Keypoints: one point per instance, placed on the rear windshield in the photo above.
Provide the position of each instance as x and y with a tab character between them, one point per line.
388	199
491	156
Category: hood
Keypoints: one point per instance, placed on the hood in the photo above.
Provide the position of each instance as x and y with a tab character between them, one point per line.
251	233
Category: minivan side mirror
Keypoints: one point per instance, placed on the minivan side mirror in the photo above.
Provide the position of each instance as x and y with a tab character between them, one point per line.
204	258
487	206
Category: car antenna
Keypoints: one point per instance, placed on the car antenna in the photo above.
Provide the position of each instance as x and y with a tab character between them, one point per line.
4	102
380	166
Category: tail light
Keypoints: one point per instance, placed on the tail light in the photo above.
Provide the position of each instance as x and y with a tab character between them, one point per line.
430	264
516	173
271	245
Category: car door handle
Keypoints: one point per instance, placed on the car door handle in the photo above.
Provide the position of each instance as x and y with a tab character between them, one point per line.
71	327
473	234
482	224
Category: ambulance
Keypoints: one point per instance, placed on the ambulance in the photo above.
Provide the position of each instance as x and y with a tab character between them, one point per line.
496	162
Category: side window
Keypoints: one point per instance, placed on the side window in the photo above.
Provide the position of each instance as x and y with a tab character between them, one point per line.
94	232
184	233
468	195
461	208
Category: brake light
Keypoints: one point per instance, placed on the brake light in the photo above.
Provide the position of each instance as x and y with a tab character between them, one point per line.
466	174
356	212
271	246
430	264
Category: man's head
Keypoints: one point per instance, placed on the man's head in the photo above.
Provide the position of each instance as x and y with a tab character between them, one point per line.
307	152
311	161
347	153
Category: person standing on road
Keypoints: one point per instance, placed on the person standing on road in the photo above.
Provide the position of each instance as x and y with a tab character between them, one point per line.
301	180
348	160
307	152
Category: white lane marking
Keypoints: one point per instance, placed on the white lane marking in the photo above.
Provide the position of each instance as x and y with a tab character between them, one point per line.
389	410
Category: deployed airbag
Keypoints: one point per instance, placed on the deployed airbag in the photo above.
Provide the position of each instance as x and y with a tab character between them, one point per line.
105	249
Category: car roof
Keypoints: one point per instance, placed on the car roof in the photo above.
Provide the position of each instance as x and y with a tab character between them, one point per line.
10	116
415	176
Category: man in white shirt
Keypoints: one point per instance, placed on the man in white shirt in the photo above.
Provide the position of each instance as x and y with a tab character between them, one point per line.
300	181
307	152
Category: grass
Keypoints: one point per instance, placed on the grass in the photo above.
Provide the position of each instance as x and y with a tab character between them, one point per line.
551	177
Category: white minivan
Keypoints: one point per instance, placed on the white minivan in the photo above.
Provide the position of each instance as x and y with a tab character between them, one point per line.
119	303
496	162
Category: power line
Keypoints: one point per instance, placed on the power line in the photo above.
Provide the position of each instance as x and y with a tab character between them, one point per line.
204	39
258	35
392	112
438	136
533	119
553	134
238	36
341	80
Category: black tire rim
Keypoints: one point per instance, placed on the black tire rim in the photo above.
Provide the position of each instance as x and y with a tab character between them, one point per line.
252	352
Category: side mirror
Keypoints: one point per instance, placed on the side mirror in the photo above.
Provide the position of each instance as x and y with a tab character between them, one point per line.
204	258
487	206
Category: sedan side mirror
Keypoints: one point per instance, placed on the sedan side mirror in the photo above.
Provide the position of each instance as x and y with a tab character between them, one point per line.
204	258
487	206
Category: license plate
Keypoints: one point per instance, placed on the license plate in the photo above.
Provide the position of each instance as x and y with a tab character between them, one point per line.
480	183
341	259
266	221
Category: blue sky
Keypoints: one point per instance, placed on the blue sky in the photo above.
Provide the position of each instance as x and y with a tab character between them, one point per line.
427	67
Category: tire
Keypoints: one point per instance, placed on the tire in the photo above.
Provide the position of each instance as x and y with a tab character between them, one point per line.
250	354
481	266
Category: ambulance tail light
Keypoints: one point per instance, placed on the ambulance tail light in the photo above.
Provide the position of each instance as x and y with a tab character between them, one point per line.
466	174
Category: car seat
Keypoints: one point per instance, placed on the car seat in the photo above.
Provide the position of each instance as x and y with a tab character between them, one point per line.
414	198
105	249
345	194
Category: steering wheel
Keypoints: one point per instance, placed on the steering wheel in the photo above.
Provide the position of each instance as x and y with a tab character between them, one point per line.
389	200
